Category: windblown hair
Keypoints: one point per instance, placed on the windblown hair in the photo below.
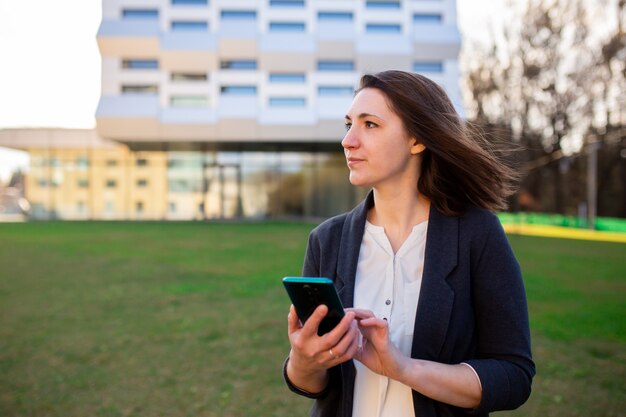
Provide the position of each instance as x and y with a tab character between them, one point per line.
460	168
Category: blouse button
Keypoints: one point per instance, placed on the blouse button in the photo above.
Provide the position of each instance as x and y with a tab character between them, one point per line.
388	302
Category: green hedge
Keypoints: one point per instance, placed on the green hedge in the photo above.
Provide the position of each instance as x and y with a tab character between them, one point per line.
608	224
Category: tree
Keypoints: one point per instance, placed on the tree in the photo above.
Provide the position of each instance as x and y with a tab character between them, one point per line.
548	78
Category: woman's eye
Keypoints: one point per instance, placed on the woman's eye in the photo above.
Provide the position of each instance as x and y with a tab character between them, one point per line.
370	124
348	125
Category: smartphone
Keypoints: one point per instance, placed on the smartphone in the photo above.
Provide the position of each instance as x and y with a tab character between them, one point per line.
308	293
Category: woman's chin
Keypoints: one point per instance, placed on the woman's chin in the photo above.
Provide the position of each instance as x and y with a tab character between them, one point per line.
358	182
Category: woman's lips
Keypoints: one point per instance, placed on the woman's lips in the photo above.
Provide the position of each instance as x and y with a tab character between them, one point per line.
353	161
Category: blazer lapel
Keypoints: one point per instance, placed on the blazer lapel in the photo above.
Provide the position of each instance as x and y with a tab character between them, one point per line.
349	249
436	296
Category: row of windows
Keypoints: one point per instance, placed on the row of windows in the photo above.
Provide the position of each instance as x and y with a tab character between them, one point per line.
109	207
81	162
84	183
419	18
323	90
240	64
251	65
275	3
340	16
244	90
377	4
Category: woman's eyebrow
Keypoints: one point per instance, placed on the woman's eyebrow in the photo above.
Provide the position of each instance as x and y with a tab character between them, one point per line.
363	116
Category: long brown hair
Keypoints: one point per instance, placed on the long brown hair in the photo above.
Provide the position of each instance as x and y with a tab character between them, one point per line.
459	167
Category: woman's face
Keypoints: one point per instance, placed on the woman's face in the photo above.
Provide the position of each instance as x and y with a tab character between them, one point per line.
378	149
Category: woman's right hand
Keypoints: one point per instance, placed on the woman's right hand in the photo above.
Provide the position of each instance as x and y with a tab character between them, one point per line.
312	355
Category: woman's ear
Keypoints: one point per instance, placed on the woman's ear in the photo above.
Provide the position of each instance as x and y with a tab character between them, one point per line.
417	147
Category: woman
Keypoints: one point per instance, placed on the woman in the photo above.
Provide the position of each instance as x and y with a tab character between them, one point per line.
440	324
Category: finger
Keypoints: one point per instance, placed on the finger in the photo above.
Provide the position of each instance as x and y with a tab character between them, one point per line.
313	322
334	336
360	313
350	338
293	321
353	348
373	322
346	341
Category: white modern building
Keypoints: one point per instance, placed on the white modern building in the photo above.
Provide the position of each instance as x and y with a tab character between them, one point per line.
229	108
242	74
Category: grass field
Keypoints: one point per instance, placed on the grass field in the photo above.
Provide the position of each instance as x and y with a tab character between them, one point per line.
189	319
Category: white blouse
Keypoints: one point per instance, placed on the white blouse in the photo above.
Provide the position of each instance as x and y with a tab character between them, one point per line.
389	285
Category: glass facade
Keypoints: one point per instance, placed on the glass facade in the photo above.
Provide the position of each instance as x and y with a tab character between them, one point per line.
197	185
209	185
335	16
190	25
137	64
428	67
281	77
287	27
150	14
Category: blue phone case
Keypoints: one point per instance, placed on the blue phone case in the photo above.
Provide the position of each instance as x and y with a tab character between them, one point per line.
308	293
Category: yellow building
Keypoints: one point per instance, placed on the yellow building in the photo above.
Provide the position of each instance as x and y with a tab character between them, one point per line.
74	174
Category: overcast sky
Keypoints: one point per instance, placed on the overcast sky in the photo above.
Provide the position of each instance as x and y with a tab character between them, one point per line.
50	72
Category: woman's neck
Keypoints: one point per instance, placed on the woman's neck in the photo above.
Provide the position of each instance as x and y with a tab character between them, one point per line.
398	212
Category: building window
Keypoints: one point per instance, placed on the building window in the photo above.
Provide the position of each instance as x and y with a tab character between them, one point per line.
239	64
109	208
287	102
287	27
328	90
139	207
140	14
142	183
83	183
382	4
187	76
190	2
191	25
335	66
184	186
382	28
140	89
425	18
238	15
283	77
111	184
142	162
335	16
171	207
287	3
111	162
428	67
189	101
80	207
82	162
140	64
42	182
238	90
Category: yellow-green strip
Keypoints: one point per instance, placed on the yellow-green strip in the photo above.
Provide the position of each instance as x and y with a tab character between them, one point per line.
563	232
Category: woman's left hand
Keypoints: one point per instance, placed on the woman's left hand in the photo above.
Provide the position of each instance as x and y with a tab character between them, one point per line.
377	352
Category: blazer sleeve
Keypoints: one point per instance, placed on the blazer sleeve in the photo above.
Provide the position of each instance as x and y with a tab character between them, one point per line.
503	361
311	266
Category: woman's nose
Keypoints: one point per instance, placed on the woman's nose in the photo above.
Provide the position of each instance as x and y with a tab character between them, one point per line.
349	140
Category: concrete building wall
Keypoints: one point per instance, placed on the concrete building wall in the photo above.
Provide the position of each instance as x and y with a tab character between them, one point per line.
214	70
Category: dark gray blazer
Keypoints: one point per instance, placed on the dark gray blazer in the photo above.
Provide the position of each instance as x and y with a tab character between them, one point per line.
472	307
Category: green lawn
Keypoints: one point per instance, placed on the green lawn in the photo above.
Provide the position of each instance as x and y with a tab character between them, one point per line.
189	319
